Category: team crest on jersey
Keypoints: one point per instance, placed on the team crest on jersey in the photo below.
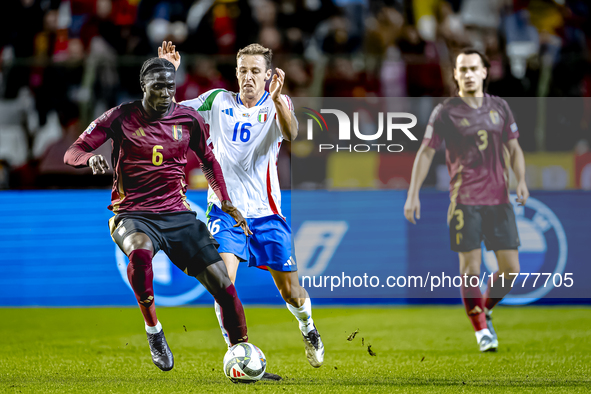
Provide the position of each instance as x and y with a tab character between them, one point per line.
177	132
90	128
494	116
263	114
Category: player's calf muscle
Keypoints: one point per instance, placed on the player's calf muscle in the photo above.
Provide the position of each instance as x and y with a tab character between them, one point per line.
140	275
295	296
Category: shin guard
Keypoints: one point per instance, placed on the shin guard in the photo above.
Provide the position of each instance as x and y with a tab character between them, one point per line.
140	275
233	320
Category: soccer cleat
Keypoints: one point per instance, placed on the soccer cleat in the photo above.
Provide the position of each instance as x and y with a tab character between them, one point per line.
268	376
314	348
489	325
487	344
161	354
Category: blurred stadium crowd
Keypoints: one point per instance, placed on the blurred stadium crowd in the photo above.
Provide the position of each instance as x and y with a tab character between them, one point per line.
64	62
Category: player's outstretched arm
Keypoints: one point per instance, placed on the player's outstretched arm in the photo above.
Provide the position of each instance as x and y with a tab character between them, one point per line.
518	166
213	171
420	169
80	155
168	51
287	121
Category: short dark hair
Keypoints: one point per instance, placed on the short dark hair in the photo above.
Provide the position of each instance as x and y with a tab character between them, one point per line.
155	64
483	59
257	49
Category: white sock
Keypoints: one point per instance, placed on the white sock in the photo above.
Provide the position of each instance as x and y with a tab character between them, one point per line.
481	333
218	313
154	330
304	315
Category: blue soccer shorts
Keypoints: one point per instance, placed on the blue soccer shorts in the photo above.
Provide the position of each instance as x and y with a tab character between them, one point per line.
270	244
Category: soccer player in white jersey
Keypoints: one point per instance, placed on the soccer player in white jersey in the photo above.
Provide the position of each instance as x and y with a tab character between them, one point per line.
246	131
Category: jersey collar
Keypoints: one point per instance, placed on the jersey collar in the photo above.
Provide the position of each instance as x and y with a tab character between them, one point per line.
261	101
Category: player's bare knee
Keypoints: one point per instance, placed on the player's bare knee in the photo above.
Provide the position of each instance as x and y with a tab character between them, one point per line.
510	269
473	272
137	241
471	268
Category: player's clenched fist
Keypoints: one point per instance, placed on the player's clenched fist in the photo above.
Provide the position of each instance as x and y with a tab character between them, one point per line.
412	207
235	213
98	164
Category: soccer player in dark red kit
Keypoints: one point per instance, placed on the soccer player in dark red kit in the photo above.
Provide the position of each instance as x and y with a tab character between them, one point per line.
150	139
479	133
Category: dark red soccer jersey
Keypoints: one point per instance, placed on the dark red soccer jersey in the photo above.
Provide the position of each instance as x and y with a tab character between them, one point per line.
149	156
474	141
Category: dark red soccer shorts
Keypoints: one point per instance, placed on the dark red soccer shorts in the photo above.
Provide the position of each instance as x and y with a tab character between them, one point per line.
185	239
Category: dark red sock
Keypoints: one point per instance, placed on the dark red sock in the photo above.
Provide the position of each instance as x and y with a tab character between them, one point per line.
140	275
233	318
472	298
495	291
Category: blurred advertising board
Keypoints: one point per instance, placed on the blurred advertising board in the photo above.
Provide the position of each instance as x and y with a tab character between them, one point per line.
55	250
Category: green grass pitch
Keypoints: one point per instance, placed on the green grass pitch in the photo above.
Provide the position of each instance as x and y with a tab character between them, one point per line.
418	349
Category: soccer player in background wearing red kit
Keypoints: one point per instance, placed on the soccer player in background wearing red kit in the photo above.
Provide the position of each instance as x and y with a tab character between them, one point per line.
478	130
150	139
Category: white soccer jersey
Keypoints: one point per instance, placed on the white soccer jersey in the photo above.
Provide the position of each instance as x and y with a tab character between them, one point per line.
246	143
